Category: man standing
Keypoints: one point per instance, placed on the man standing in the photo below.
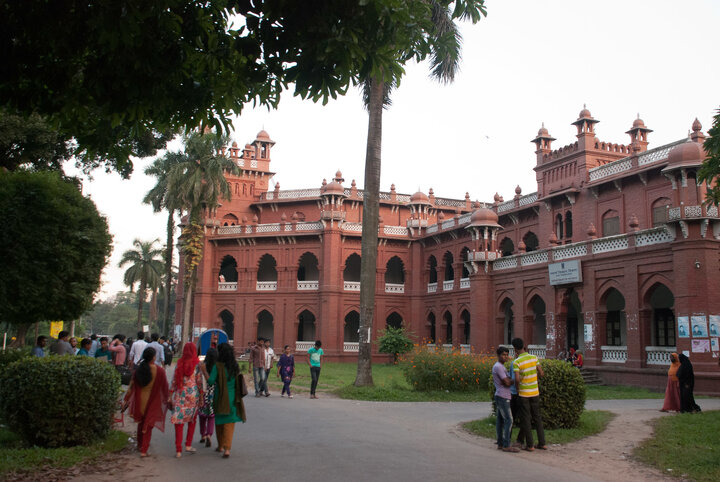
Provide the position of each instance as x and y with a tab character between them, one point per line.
137	349
38	349
257	358
269	355
103	353
159	350
504	420
62	347
94	345
527	370
315	362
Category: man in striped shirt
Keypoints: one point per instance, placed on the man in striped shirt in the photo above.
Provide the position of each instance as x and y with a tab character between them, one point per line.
527	370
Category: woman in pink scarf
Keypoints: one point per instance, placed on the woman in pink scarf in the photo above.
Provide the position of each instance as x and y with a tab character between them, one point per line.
186	396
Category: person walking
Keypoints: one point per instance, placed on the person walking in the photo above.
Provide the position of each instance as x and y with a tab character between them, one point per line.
527	370
119	354
185	396
315	362
257	358
286	370
269	357
672	391
686	379
228	404
137	349
502	382
207	412
147	398
159	349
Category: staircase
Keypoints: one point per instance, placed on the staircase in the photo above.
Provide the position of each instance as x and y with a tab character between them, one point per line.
591	377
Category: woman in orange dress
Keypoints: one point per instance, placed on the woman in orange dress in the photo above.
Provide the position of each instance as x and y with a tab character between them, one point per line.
672	392
147	398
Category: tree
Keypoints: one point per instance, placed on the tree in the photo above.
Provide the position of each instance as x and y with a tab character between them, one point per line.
394	341
198	185
710	170
145	270
432	32
160	198
54	245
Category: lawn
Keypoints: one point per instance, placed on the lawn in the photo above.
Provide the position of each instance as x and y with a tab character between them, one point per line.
591	422
685	445
16	458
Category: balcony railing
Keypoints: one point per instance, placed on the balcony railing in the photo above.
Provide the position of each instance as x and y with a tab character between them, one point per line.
394	288
465	349
464	283
539	351
307	285
351	285
266	286
351	346
448	285
432	287
614	354
659	355
304	345
227	286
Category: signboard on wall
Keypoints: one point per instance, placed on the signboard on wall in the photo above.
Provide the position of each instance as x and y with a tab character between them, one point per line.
565	272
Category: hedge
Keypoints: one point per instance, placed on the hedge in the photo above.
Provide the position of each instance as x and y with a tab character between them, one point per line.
59	401
427	370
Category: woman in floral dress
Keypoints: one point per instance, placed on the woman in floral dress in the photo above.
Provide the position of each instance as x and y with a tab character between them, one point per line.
186	397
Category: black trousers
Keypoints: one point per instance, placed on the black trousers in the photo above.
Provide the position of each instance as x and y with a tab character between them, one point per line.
515	410
529	416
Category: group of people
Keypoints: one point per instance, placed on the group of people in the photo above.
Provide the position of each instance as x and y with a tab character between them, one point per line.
210	390
679	396
262	357
517	397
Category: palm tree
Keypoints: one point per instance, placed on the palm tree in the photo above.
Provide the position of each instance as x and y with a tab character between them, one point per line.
198	184
145	270
440	36
160	199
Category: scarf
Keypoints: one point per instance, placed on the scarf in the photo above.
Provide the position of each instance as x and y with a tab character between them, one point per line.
222	394
186	364
674	365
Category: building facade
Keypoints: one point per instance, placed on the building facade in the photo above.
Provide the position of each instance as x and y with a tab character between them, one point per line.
615	254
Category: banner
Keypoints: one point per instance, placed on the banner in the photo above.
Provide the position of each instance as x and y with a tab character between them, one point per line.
55	328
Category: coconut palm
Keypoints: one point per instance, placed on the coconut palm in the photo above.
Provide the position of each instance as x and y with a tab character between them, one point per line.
441	39
160	199
145	270
198	184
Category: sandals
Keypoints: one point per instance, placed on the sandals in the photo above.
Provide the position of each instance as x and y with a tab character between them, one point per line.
541	447
226	455
510	449
191	450
529	449
178	455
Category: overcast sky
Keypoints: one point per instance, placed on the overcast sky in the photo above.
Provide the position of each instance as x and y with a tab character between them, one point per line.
527	63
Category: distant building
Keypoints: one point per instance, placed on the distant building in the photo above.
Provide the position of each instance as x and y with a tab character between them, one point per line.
610	255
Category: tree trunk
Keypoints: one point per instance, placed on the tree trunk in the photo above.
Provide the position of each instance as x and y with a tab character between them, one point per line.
141	299
153	315
168	270
187	309
22	330
371	210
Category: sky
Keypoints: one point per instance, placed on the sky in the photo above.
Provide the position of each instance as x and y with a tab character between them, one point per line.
525	64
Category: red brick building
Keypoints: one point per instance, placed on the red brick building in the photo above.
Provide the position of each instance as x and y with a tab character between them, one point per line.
615	254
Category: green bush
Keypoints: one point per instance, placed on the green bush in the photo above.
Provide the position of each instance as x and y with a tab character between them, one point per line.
12	355
562	394
59	401
427	370
395	341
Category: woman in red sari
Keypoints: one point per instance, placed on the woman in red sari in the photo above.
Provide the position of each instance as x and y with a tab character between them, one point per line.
147	399
672	392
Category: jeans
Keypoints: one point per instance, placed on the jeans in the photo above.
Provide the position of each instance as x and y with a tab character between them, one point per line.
264	385
530	408
315	375
503	425
259	378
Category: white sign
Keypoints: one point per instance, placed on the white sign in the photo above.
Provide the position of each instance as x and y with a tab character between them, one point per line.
146	328
588	333
565	272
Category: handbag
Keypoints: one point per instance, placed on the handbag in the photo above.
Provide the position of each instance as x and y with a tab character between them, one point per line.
243	385
125	374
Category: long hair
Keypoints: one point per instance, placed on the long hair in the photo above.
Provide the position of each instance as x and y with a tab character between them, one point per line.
211	357
226	356
143	375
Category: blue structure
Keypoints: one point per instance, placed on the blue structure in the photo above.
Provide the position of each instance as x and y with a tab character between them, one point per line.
207	336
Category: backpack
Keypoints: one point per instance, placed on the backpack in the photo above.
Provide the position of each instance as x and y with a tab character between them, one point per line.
168	355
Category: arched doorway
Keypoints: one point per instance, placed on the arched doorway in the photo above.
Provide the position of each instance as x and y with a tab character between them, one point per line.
663	317
352	268
228	269
465	317
615	321
306	326
431	327
432	267
266	327
508	321
228	323
574	322
352	327
537	306
447	319
394	320
308	268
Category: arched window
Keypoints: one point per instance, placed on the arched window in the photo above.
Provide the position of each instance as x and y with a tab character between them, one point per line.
352	268
447	319
352	327
507	247
660	211
267	268
432	265
449	270
509	318
611	223
308	268
227	320
229	220
537	305
395	271
531	241
306	326
394	320
431	327
559	226
663	318
228	269
266	327
615	323
568	225
465	317
464	256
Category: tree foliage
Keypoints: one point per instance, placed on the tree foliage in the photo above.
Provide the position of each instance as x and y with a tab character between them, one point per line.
395	341
710	170
53	244
145	269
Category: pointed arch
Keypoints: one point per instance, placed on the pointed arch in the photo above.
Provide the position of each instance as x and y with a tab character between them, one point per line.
267	268
351	328
351	272
464	256
228	269
394	320
227	320
308	269
395	271
265	325
306	329
432	269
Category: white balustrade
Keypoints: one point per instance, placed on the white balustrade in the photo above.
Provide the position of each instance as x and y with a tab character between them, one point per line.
614	243
653	236
304	345
448	285
449	202
465	349
615	167
659	355
432	287
538	350
464	283
394	288
395	230
309	226
450	223
535	257
506	206
529	199
693	211
674	214
230	230
505	263
614	354
465	218
266	286
267	228
253	163
657	154
307	285
352	227
351	285
432	229
447	347
227	286
351	346
570	251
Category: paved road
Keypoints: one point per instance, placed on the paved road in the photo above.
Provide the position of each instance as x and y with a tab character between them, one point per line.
343	440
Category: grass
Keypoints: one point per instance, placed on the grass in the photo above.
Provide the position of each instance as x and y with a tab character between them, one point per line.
620	392
685	445
591	422
16	458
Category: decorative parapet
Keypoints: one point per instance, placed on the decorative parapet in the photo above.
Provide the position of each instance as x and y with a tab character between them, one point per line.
309	226
432	287
448	285
657	154
450	223
432	229
505	263
539	351
351	285
535	257
465	218
267	228
611	168
517	203
351	346
614	354
628	163
613	243
266	286
659	355
654	236
482	256
394	288
568	251
308	285
352	227
395	230
464	283
227	286
303	345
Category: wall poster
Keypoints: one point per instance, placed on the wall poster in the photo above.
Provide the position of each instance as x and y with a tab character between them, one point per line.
699	326
683	323
714	325
701	346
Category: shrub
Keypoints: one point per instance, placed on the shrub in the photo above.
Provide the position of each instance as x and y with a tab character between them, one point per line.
395	341
562	394
426	369
12	355
59	401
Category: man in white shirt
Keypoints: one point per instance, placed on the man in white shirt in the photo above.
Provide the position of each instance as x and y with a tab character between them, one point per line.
269	356
137	349
159	350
